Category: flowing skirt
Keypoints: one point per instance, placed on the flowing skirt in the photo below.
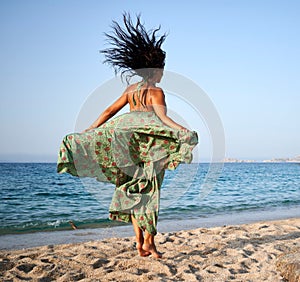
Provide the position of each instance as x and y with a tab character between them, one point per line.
131	151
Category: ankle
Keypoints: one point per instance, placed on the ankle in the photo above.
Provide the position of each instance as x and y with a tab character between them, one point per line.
149	239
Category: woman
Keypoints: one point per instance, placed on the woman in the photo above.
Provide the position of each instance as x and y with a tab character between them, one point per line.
134	149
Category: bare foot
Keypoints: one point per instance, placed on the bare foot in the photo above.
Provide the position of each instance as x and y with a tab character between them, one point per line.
141	251
152	249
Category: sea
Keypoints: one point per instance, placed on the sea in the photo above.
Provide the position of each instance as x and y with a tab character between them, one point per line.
36	199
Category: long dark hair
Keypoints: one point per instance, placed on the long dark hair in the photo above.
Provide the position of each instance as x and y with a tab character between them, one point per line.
134	49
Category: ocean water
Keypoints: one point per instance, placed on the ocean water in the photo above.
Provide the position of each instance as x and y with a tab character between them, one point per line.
35	198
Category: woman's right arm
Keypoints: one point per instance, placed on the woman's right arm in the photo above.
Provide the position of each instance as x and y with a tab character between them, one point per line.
160	108
110	111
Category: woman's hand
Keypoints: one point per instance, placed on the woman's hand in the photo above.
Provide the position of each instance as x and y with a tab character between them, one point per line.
88	129
184	129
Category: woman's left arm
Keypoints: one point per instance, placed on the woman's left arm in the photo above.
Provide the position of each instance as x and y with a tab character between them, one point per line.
110	111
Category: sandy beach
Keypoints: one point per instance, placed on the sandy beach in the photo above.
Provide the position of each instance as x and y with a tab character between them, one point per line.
246	252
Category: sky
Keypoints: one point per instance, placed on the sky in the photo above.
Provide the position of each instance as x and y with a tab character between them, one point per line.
243	54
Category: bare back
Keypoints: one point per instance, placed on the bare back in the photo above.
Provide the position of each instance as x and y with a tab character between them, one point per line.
140	97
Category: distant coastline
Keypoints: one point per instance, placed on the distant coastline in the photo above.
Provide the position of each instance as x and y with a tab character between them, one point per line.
275	160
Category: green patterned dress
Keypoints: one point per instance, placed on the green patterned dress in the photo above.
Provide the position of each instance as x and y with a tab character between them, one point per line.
131	151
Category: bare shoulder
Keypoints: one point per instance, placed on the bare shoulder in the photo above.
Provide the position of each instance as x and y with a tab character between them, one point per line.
156	91
157	96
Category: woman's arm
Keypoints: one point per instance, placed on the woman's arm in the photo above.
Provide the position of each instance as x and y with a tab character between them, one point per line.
160	108
110	111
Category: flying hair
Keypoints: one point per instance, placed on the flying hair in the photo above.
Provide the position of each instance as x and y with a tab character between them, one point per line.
134	50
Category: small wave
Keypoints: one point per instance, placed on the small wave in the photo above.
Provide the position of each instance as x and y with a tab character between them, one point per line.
58	183
44	194
57	225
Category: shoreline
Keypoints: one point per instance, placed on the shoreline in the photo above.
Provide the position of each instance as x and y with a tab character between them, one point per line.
36	239
246	252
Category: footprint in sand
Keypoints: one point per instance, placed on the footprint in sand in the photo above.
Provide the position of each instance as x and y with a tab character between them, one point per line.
26	267
99	263
6	264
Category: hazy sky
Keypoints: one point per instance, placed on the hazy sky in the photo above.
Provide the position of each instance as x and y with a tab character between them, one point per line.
244	54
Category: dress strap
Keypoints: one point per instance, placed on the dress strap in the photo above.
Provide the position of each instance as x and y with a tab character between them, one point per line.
140	84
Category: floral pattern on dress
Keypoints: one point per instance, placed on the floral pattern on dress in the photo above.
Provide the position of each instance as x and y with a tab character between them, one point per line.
131	151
